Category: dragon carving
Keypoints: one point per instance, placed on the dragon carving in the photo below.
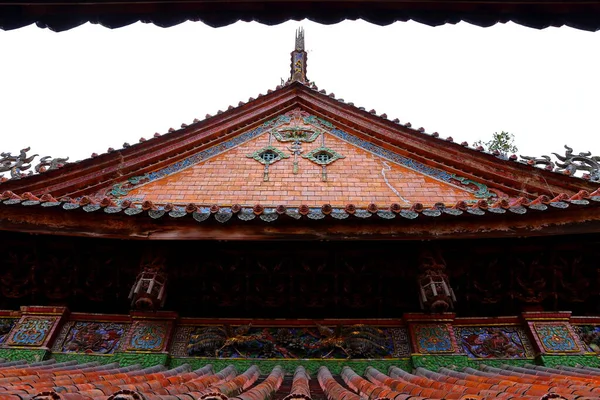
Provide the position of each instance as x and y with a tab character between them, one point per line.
570	163
16	165
355	340
217	338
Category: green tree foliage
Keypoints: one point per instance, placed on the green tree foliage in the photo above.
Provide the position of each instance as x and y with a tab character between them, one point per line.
503	142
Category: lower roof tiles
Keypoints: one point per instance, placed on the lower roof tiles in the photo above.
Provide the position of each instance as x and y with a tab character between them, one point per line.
72	381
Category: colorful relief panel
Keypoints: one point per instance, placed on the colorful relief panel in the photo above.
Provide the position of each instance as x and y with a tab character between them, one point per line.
91	337
31	331
430	338
590	335
147	336
6	324
352	341
556	338
494	341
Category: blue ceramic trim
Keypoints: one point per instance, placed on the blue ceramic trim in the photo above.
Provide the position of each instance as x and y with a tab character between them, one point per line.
481	191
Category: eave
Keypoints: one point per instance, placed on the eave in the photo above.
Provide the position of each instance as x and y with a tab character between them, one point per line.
60	16
569	216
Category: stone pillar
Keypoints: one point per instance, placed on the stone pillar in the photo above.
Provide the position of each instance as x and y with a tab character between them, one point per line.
31	336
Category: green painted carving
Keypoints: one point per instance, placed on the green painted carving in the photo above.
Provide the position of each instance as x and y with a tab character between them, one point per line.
570	360
482	190
296	134
144	359
258	155
313	120
29	355
498	362
289	365
316	155
123	188
435	362
83	358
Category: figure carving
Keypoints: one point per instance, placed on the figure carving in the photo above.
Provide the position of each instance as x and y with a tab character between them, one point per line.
58	278
493	342
97	283
530	285
489	288
575	285
88	337
17	280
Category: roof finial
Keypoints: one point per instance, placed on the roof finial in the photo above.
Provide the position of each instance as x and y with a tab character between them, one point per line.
298	70
300	39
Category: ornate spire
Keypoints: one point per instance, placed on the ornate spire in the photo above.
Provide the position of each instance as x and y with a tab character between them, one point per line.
300	39
298	67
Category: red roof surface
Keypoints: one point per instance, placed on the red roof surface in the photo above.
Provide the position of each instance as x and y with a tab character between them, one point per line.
380	161
294	152
69	380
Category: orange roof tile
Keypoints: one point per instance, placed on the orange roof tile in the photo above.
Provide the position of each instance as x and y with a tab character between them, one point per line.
69	380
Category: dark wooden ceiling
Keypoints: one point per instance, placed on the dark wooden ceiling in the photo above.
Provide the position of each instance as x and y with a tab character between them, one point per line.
62	15
282	279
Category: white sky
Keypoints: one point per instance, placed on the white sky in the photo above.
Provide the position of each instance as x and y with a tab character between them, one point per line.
84	90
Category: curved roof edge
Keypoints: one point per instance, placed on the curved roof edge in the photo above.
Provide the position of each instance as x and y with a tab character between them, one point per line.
60	16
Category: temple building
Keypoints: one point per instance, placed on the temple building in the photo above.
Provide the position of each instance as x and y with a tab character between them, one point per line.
296	246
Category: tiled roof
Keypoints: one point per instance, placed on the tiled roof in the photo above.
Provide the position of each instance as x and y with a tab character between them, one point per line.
543	162
383	130
72	381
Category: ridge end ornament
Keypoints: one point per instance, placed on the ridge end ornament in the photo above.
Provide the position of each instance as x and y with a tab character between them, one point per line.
569	164
16	165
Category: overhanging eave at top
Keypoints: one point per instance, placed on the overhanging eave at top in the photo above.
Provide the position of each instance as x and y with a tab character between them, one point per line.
63	15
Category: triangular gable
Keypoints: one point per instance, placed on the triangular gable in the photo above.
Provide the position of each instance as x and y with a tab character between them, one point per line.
310	161
441	159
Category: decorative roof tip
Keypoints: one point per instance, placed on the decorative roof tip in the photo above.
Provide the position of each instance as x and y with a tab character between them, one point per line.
298	67
300	39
